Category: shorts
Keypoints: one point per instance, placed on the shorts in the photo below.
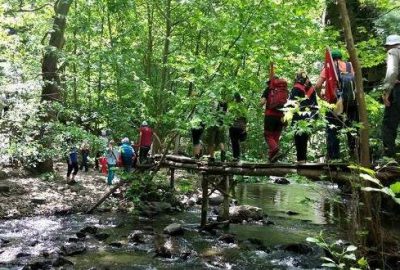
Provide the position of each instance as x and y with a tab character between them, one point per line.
215	135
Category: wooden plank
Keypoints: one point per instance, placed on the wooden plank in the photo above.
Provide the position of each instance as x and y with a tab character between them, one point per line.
204	201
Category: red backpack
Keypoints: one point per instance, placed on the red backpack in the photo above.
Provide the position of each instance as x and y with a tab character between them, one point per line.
278	93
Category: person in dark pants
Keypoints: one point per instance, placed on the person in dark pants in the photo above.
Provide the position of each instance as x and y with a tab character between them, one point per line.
337	121
303	93
85	157
197	132
237	131
215	134
72	162
391	96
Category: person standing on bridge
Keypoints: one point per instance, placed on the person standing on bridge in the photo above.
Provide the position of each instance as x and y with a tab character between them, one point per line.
305	99
391	96
215	133
274	98
145	141
237	131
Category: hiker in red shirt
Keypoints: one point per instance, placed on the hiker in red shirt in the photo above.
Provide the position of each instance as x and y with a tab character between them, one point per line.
273	124
145	141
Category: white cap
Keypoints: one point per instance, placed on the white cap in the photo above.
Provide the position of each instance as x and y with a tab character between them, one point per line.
144	123
392	40
125	140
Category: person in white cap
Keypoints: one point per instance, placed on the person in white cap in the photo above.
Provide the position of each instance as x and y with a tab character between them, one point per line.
391	96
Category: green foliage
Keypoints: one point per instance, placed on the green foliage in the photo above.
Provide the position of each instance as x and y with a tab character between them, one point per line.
341	256
396	189
298	178
120	66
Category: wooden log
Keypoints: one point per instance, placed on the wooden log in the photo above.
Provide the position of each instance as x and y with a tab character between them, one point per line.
225	204
105	196
204	201
335	174
172	178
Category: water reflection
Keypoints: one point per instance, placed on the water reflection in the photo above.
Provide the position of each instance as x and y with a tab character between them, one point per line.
306	202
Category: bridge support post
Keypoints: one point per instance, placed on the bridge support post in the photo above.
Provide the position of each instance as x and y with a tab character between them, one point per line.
225	204
172	178
204	201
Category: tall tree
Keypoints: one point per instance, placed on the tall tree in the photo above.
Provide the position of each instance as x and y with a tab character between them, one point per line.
362	109
52	90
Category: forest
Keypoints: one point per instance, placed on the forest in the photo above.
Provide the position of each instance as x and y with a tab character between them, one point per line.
101	166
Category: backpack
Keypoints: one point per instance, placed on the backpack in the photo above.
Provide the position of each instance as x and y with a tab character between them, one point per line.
347	87
127	153
278	93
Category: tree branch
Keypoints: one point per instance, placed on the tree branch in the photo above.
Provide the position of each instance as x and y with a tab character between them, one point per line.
8	12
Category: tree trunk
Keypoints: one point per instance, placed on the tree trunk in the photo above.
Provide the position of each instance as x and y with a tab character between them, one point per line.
149	54
370	213
51	91
362	110
88	55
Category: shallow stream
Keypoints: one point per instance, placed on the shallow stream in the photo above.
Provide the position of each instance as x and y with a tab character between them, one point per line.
297	211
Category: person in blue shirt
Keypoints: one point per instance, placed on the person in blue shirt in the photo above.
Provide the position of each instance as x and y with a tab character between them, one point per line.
127	154
73	167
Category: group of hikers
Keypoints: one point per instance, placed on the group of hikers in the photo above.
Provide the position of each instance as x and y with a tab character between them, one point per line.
124	154
276	99
336	85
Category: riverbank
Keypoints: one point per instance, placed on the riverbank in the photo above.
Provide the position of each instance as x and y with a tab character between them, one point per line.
25	195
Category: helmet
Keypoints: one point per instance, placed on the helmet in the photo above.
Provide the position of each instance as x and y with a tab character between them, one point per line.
392	40
336	54
125	140
144	123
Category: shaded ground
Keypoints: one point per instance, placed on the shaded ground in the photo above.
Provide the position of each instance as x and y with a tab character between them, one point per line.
50	194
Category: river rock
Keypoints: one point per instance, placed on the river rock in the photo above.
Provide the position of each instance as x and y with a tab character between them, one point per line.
280	180
33	243
116	244
162	248
168	247
174	229
101	236
4	188
71	249
61	261
298	248
215	199
3	175
136	236
227	238
254	244
23	254
238	214
89	229
3	242
151	209
38	265
38	200
292	213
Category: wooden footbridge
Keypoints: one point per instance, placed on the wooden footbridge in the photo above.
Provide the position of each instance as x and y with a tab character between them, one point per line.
338	173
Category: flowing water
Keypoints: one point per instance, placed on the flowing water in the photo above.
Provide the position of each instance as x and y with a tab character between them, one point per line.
310	209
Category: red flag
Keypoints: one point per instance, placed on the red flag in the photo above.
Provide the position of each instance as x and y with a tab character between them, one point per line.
331	77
